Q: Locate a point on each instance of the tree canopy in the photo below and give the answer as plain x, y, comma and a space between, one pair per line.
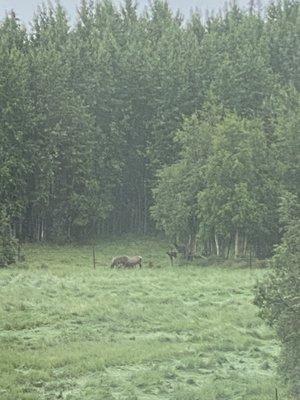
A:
126, 112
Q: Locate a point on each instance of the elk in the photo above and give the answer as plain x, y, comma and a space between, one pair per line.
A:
187, 250
133, 261
172, 255
181, 248
119, 261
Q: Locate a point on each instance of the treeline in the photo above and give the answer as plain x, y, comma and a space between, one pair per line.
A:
95, 115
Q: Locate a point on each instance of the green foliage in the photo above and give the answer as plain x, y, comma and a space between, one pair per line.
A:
174, 208
15, 115
243, 78
227, 182
8, 243
282, 32
90, 114
69, 331
278, 295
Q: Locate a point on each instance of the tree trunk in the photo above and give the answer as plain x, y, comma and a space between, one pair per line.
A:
191, 247
20, 230
217, 245
245, 245
236, 246
145, 209
38, 229
228, 248
69, 231
42, 229
211, 249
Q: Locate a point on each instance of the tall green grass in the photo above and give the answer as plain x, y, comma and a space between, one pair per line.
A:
68, 331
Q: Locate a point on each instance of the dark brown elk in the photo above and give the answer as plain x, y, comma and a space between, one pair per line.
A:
172, 255
186, 250
119, 261
181, 248
133, 261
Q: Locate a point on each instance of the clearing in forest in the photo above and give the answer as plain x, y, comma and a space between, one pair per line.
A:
183, 332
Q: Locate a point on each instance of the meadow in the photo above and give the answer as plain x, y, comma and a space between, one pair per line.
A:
186, 332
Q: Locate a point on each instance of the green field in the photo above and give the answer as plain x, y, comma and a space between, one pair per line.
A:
183, 333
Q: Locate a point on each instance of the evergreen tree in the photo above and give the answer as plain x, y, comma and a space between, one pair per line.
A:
90, 115
282, 32
15, 117
60, 143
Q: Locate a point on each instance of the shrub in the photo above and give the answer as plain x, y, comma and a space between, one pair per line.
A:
278, 299
8, 243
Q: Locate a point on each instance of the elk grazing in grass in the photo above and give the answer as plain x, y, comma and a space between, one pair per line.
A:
126, 262
119, 261
133, 261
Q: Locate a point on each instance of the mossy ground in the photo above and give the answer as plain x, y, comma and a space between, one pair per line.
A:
183, 332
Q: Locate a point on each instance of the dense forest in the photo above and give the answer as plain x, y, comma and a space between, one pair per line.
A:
127, 122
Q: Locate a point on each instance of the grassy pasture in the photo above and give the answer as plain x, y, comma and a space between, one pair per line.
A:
183, 333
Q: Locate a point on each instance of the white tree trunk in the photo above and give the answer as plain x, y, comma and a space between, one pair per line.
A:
42, 230
245, 245
217, 245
